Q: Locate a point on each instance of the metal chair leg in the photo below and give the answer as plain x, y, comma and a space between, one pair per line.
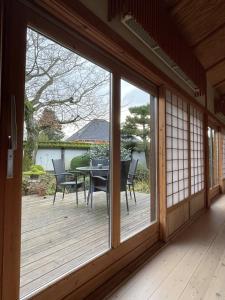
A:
54, 196
134, 193
77, 196
85, 196
91, 198
88, 197
63, 192
107, 200
129, 190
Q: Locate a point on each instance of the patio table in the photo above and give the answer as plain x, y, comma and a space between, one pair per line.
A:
92, 168
89, 169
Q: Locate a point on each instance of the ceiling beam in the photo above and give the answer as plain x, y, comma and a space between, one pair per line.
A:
208, 36
221, 82
215, 64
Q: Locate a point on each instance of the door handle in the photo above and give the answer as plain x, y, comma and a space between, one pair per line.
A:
12, 138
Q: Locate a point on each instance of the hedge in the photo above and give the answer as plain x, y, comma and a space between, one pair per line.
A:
80, 161
62, 145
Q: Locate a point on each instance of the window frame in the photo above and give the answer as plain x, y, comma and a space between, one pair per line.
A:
132, 246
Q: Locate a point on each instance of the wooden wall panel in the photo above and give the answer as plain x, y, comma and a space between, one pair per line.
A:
178, 217
223, 186
214, 192
197, 202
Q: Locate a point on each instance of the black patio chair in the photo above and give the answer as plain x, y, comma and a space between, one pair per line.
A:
95, 162
131, 176
63, 179
98, 178
100, 183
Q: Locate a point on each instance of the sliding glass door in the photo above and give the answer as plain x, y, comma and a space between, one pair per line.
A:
66, 159
138, 156
68, 110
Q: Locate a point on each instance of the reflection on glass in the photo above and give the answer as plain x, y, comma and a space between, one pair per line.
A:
138, 177
66, 196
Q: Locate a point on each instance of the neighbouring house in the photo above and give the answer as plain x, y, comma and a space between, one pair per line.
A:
97, 130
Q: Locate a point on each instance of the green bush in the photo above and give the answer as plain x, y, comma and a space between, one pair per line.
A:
102, 151
61, 145
35, 170
80, 161
142, 186
142, 179
142, 173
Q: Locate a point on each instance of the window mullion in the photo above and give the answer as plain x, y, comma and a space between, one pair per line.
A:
115, 162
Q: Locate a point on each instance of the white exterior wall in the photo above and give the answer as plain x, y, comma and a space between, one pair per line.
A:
44, 157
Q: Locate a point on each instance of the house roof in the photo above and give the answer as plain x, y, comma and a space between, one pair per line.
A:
96, 129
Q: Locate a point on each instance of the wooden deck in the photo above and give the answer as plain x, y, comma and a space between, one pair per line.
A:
56, 239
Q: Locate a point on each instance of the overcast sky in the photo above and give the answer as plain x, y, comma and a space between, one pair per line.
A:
130, 96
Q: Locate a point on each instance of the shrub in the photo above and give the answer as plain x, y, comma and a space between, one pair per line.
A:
102, 151
142, 186
45, 185
35, 170
25, 186
142, 180
80, 161
142, 173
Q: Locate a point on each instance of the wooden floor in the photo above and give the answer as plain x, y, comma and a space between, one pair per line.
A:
192, 266
56, 239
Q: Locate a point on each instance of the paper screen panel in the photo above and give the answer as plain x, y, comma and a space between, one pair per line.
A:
176, 149
196, 150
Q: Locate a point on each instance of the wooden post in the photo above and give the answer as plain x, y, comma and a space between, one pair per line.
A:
13, 68
206, 161
162, 164
220, 136
115, 162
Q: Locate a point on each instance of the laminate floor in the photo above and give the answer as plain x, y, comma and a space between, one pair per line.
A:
191, 266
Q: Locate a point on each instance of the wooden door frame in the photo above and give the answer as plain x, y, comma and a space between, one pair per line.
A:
17, 18
13, 33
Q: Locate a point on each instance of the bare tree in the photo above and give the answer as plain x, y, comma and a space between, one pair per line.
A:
57, 78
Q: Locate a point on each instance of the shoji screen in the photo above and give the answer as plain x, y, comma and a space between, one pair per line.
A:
224, 156
196, 150
216, 157
176, 148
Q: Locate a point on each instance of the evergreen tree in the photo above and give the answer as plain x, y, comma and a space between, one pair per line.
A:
138, 125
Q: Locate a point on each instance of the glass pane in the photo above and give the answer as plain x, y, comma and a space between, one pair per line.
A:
66, 196
138, 163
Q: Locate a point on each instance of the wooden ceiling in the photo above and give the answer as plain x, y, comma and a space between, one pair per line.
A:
202, 23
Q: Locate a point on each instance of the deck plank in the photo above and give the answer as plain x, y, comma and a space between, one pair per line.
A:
58, 238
